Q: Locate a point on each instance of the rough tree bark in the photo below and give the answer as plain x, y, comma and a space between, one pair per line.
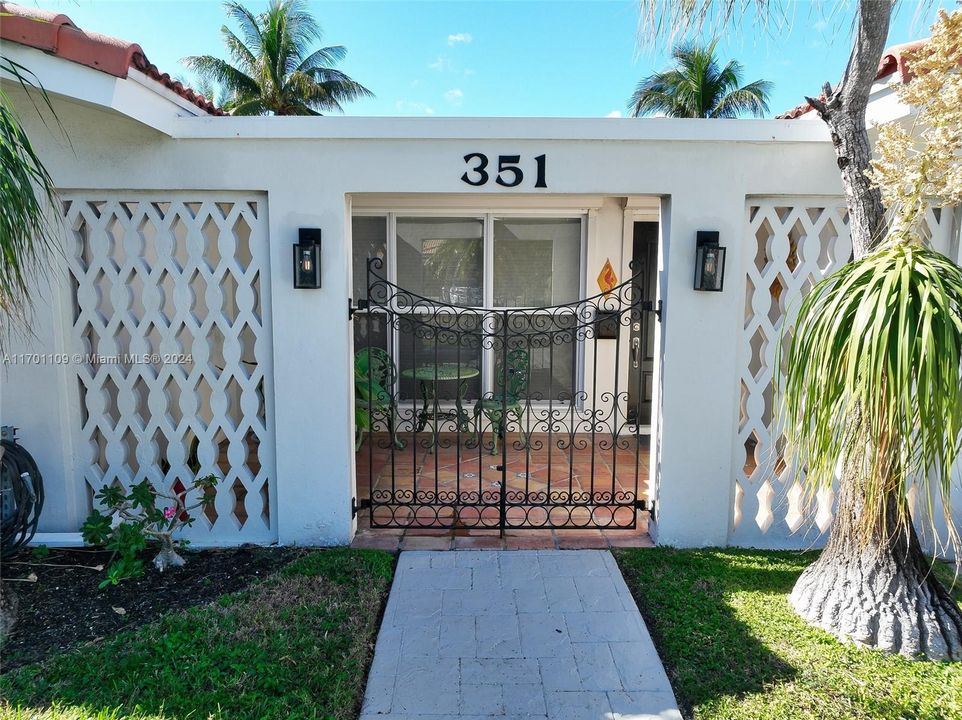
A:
881, 594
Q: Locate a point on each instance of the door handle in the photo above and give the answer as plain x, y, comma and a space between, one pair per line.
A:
635, 346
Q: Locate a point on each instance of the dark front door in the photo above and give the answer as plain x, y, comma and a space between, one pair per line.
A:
644, 256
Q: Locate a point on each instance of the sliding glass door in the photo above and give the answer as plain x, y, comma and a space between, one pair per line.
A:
484, 261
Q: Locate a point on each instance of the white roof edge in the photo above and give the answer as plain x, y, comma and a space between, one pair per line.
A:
499, 128
148, 82
138, 97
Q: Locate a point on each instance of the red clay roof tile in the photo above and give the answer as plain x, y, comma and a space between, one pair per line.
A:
893, 60
55, 33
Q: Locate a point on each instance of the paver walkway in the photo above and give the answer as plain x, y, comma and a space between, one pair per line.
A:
541, 634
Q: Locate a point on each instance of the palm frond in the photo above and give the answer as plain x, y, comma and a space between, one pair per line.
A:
241, 54
671, 21
324, 57
248, 25
275, 70
874, 380
28, 198
222, 73
751, 99
697, 88
247, 106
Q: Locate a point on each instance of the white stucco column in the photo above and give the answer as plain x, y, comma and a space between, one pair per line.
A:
698, 405
313, 395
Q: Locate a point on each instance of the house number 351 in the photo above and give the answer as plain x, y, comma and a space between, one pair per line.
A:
507, 174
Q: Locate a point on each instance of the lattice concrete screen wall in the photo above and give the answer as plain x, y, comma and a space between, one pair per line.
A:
183, 278
790, 244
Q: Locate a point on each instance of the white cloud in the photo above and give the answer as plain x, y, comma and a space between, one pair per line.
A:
410, 107
441, 64
614, 113
457, 38
468, 71
454, 96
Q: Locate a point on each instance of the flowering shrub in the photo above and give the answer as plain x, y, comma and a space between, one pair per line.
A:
133, 519
918, 170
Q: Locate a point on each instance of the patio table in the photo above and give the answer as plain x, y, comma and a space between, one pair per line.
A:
428, 376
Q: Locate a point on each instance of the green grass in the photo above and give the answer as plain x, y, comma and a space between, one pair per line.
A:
735, 650
296, 645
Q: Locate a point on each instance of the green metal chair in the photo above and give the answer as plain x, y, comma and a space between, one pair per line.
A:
505, 402
374, 379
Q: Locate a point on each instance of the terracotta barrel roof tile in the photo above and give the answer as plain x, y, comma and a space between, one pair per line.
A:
893, 60
55, 33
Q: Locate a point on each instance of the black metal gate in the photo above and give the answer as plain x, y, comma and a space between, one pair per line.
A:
472, 417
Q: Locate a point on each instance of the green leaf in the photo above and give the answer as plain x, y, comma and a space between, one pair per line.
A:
874, 376
96, 528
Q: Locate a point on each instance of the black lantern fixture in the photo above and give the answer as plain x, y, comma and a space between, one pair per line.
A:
307, 258
709, 262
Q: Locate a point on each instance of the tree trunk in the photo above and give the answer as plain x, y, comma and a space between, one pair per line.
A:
877, 590
168, 556
882, 594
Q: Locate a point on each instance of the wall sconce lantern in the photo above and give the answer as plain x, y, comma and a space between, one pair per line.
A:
307, 258
709, 262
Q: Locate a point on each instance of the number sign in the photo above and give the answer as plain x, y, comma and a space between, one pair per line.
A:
507, 174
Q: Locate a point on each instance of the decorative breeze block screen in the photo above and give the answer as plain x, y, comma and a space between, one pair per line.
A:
790, 244
171, 316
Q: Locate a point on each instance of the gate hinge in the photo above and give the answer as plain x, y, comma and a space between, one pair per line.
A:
356, 506
645, 505
649, 306
352, 308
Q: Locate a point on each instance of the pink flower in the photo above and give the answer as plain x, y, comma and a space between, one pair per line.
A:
170, 512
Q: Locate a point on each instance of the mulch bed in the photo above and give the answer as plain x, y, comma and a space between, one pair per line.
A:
64, 608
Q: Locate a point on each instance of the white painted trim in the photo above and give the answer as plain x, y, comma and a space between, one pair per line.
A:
495, 128
75, 540
137, 96
444, 203
58, 539
159, 88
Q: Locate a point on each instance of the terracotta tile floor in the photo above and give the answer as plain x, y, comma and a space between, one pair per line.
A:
456, 466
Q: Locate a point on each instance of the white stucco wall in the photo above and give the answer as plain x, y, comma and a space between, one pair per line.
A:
310, 168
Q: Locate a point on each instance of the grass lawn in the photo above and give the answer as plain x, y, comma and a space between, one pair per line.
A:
296, 645
734, 649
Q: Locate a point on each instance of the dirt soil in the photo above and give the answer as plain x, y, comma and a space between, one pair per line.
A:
64, 608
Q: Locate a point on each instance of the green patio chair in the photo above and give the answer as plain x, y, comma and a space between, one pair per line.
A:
510, 398
374, 379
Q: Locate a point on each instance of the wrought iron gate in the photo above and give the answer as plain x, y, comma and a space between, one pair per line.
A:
472, 417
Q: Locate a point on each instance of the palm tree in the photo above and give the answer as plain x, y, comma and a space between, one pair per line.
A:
698, 88
274, 69
27, 191
871, 583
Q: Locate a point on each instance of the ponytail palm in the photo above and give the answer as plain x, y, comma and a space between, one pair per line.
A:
698, 87
874, 383
880, 341
275, 70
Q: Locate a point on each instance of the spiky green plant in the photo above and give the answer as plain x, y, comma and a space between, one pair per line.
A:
27, 191
875, 380
274, 69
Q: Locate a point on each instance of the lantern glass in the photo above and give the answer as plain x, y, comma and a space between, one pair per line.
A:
709, 263
307, 259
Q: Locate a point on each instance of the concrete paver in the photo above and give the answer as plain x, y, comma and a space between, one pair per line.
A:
541, 635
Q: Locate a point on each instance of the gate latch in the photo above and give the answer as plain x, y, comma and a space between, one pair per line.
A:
362, 304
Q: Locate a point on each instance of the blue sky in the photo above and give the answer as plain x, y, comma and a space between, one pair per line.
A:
502, 58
